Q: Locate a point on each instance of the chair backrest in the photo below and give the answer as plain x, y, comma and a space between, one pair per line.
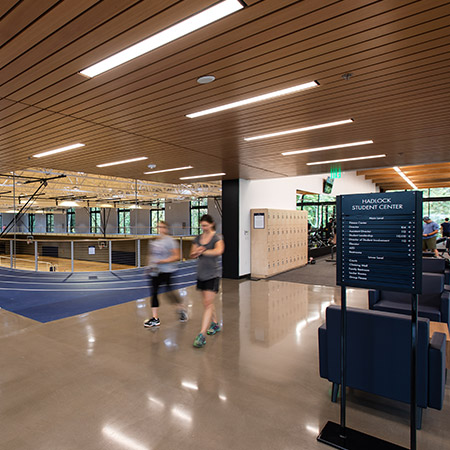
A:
433, 265
378, 352
432, 288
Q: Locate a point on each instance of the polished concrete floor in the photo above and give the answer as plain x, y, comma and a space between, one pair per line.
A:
102, 381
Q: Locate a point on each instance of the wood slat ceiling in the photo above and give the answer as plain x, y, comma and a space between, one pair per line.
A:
423, 176
398, 95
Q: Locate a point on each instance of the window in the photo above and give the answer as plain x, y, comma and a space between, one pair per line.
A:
198, 209
49, 223
157, 214
436, 203
95, 220
71, 220
321, 208
31, 222
124, 221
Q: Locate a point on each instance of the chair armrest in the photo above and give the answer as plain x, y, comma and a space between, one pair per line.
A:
436, 370
374, 297
447, 276
323, 351
445, 307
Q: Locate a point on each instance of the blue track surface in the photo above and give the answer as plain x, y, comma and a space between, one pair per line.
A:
48, 296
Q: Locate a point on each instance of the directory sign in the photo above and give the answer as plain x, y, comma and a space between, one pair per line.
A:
379, 240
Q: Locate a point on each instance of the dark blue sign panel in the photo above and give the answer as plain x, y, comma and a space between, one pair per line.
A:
380, 241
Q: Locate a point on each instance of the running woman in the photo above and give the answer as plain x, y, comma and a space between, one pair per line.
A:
208, 247
164, 253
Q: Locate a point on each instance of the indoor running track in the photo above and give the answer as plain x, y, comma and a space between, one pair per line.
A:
48, 296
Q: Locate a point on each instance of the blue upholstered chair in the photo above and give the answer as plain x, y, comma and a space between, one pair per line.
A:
378, 356
436, 265
434, 302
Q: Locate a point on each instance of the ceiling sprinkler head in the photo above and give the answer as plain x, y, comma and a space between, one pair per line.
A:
151, 166
347, 76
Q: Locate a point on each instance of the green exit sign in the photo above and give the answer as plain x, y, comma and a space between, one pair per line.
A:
335, 172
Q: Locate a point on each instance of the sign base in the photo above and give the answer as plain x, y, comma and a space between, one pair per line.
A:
354, 440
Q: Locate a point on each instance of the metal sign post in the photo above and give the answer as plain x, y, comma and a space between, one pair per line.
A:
378, 235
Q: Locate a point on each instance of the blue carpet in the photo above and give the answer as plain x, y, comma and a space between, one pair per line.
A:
48, 296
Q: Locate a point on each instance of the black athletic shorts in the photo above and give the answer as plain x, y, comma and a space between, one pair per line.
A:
209, 285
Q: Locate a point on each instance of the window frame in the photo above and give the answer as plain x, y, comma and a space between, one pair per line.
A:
196, 211
49, 223
124, 228
157, 214
95, 220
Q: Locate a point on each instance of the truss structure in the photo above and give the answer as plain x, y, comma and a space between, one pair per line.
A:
89, 190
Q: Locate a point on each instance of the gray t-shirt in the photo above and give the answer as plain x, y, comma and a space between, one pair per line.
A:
161, 248
209, 266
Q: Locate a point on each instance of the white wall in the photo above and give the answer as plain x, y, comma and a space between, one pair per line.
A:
280, 193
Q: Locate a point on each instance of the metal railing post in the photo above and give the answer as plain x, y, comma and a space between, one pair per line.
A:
71, 256
11, 252
138, 253
110, 255
181, 248
36, 261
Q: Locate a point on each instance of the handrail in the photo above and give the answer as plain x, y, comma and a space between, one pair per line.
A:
8, 258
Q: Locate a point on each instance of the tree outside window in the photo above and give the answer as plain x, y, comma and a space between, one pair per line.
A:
95, 224
157, 214
124, 221
31, 222
70, 220
50, 223
198, 209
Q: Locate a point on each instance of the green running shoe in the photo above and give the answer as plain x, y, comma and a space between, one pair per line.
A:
200, 341
213, 328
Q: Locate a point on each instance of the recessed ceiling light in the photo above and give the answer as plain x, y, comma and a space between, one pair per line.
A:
168, 170
401, 173
299, 130
345, 160
330, 147
205, 79
58, 150
258, 98
106, 205
170, 34
204, 176
126, 161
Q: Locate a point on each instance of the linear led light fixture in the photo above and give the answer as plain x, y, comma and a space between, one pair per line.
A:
401, 173
69, 203
299, 130
345, 160
58, 150
204, 176
330, 147
258, 98
168, 170
125, 161
170, 34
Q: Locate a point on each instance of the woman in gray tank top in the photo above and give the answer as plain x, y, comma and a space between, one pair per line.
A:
208, 248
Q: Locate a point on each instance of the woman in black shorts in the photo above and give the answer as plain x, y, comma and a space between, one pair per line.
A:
208, 247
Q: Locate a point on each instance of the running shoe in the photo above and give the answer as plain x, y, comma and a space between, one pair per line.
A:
200, 341
183, 316
213, 328
150, 323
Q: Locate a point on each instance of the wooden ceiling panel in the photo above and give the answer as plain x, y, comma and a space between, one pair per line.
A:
210, 50
22, 15
397, 51
235, 64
